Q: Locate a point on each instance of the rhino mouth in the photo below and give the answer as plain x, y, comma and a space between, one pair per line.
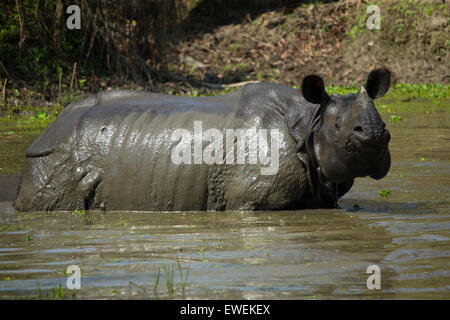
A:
377, 139
368, 148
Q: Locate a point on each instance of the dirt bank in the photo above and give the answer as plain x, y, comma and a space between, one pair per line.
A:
330, 39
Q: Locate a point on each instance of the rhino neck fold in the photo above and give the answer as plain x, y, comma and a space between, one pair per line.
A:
321, 189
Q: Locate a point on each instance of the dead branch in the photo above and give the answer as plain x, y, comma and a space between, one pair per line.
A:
206, 84
73, 75
59, 88
4, 92
21, 26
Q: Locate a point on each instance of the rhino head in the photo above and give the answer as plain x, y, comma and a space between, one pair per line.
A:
351, 139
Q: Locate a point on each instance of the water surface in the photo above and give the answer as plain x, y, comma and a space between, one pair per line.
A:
307, 254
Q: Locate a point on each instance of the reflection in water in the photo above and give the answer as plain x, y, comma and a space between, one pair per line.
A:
288, 254
229, 255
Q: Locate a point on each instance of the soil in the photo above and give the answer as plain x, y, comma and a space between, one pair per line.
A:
414, 42
330, 39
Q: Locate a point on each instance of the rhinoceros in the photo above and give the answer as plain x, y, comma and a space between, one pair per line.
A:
115, 150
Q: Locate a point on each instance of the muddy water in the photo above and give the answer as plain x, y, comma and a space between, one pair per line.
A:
239, 255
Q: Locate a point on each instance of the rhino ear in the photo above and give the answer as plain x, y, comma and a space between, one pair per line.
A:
313, 90
378, 83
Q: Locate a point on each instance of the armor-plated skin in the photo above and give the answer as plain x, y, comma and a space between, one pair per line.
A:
112, 151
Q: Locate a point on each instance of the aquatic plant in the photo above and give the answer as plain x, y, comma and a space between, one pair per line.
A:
183, 279
58, 293
169, 271
78, 212
156, 281
395, 118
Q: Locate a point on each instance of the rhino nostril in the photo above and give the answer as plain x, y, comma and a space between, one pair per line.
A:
358, 128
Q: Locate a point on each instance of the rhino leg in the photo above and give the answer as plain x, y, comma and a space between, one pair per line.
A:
216, 189
88, 178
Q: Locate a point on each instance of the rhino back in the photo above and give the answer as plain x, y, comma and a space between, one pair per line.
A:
60, 130
128, 145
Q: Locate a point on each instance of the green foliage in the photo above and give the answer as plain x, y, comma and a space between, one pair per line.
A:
36, 45
58, 293
37, 55
384, 193
78, 212
341, 90
81, 82
40, 120
169, 271
359, 24
9, 133
433, 91
38, 291
400, 24
156, 281
396, 118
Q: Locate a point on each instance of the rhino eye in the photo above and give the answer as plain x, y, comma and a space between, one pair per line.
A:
337, 125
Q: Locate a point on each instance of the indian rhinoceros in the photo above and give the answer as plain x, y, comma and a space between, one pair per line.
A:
115, 150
